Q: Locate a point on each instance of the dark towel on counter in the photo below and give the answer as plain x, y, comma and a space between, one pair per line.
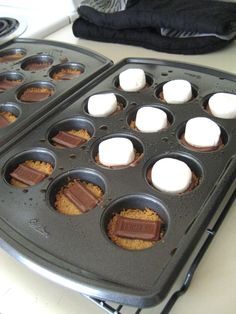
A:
173, 26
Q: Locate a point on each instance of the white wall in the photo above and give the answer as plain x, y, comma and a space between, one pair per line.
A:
62, 6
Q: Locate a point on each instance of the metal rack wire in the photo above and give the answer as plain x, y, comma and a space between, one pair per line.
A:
113, 308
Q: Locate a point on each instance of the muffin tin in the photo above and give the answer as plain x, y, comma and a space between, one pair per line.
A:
75, 250
32, 64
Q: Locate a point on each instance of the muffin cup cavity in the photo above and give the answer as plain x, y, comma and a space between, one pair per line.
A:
149, 83
193, 164
34, 155
222, 142
205, 106
145, 205
121, 105
160, 97
37, 63
124, 191
9, 80
84, 127
35, 92
11, 55
130, 120
10, 112
138, 147
66, 71
86, 176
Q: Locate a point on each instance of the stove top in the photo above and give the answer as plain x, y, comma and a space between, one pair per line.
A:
11, 28
33, 21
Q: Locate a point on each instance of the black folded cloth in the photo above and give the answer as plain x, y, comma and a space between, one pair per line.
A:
173, 26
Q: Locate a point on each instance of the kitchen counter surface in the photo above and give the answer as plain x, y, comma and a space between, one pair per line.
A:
223, 59
213, 288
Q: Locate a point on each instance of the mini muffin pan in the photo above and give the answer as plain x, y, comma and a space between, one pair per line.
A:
32, 64
75, 250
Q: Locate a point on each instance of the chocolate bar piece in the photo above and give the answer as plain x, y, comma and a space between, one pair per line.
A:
68, 140
35, 94
6, 84
3, 121
27, 175
80, 196
36, 66
66, 74
137, 228
11, 57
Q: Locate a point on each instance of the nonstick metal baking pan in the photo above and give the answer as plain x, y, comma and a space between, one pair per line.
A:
32, 63
75, 250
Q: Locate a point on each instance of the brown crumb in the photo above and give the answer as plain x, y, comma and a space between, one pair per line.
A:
10, 117
83, 133
11, 57
42, 166
65, 206
66, 74
133, 244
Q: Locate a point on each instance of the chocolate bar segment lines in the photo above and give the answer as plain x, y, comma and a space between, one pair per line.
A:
80, 196
68, 140
137, 228
27, 175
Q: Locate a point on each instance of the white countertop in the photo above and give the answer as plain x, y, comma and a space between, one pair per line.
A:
213, 289
223, 59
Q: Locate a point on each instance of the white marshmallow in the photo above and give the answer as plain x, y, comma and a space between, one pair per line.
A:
223, 105
202, 132
102, 105
117, 151
177, 91
150, 119
171, 175
132, 80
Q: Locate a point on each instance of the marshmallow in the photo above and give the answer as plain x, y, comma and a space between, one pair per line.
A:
202, 132
223, 105
117, 151
150, 119
132, 80
177, 91
102, 105
171, 175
